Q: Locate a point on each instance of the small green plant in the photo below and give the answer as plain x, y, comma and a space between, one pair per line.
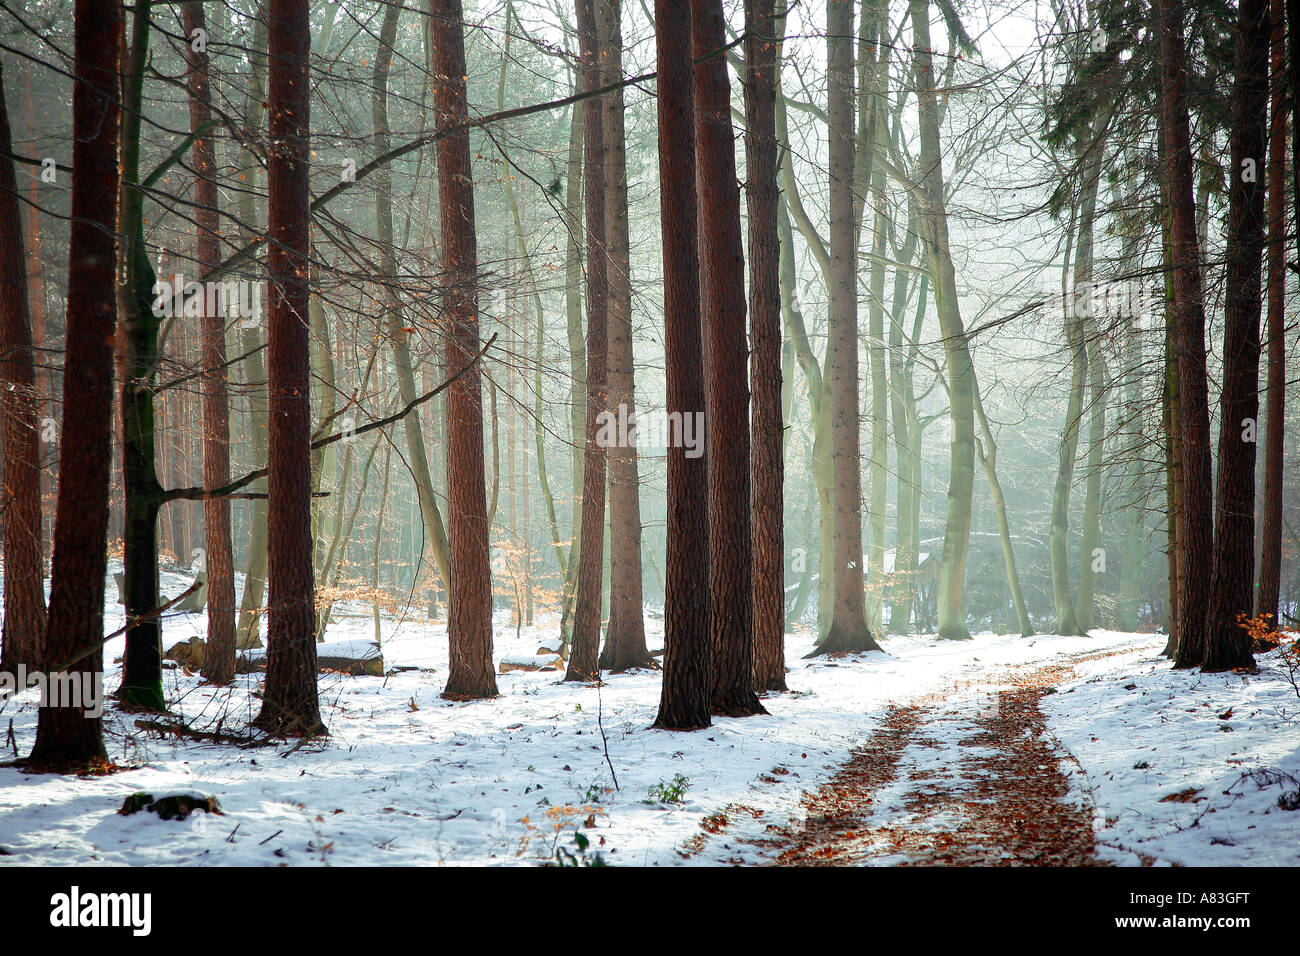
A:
578, 855
1142, 765
673, 792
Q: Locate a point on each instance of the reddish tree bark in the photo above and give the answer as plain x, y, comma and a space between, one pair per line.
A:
65, 736
24, 582
722, 292
1196, 533
1228, 645
583, 662
469, 610
625, 645
1270, 565
219, 657
762, 198
686, 691
289, 703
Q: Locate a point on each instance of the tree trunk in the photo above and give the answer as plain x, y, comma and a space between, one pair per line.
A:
219, 656
684, 701
625, 645
1196, 554
848, 631
906, 421
1270, 564
142, 661
722, 294
1097, 391
961, 373
577, 352
65, 737
1090, 152
988, 454
24, 580
583, 659
252, 342
1228, 645
768, 476
873, 105
469, 613
289, 702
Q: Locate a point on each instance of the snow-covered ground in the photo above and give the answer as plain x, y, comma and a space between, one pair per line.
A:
1182, 767
408, 778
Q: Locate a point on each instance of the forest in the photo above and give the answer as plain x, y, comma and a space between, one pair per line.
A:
588, 432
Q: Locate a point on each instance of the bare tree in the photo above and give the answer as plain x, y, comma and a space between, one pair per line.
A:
762, 198
722, 287
848, 631
1227, 644
219, 657
24, 585
469, 617
583, 659
1195, 532
1270, 565
65, 736
685, 694
289, 701
625, 645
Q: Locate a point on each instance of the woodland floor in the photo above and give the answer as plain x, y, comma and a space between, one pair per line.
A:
997, 750
943, 783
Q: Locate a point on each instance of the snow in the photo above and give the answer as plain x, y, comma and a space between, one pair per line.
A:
1141, 731
408, 778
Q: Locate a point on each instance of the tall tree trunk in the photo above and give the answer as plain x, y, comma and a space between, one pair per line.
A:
65, 736
768, 476
1228, 645
1196, 554
1090, 152
685, 694
469, 613
873, 117
577, 351
142, 661
219, 656
252, 341
24, 581
289, 701
906, 421
583, 659
625, 645
1270, 565
722, 293
1097, 392
961, 372
46, 380
848, 631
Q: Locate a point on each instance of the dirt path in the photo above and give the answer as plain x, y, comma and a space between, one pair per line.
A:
967, 778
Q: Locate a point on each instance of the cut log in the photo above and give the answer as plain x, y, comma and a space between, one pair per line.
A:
522, 662
354, 658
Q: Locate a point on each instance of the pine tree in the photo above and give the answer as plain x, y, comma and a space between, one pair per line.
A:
65, 736
289, 703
